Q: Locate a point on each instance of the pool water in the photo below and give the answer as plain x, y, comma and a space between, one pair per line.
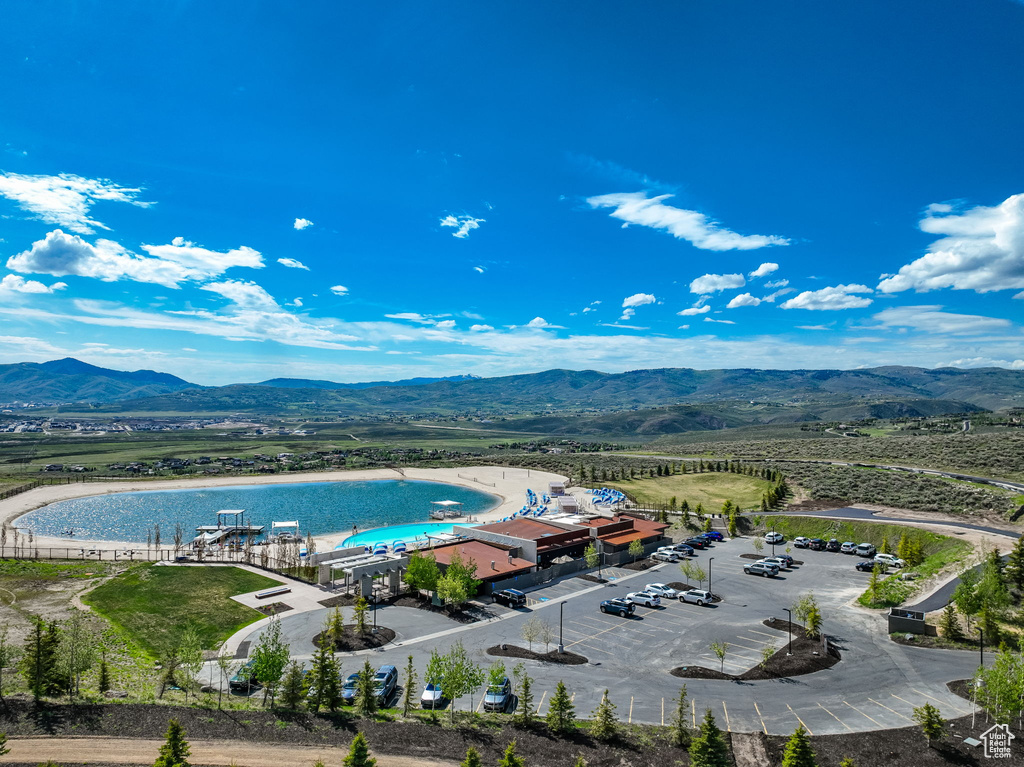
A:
407, 533
321, 508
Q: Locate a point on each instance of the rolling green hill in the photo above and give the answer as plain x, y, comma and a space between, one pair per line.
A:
70, 380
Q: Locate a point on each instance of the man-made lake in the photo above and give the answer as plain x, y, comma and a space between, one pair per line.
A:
320, 508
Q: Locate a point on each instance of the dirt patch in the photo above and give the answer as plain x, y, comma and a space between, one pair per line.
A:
796, 562
591, 578
635, 747
807, 657
818, 504
274, 608
405, 599
643, 564
514, 651
342, 600
905, 747
352, 641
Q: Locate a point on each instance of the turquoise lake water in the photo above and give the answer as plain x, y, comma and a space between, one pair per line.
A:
320, 508
407, 533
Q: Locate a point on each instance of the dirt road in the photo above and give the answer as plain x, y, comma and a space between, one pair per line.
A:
216, 753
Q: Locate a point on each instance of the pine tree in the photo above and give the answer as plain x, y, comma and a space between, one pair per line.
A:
409, 688
361, 608
580, 761
324, 679
561, 716
39, 662
366, 692
932, 724
884, 548
798, 751
104, 681
1015, 565
293, 687
603, 722
680, 732
359, 753
3, 744
847, 762
708, 749
950, 624
812, 624
472, 758
175, 751
511, 757
902, 548
524, 706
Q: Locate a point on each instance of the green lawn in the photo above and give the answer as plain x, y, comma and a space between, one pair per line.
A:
710, 488
152, 604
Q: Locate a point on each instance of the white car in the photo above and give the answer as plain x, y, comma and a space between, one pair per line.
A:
889, 559
645, 598
778, 562
697, 597
432, 697
665, 556
801, 542
865, 550
661, 590
773, 537
849, 547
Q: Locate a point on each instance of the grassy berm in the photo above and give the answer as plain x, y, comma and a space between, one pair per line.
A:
152, 603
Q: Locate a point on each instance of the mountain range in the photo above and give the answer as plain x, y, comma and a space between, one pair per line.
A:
776, 394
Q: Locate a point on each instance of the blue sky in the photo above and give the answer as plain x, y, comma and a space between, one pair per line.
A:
238, 191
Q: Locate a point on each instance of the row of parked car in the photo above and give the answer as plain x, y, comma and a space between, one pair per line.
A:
385, 681
867, 550
651, 596
688, 548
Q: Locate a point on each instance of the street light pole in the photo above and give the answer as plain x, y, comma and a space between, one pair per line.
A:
773, 540
790, 613
712, 559
561, 608
981, 645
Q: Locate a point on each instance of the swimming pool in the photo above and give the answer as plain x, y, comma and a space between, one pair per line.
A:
321, 508
407, 533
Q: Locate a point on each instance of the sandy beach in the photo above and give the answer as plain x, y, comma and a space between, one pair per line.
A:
509, 485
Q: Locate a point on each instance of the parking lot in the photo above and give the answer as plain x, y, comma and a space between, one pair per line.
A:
875, 686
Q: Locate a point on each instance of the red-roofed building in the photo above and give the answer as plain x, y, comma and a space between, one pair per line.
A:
493, 561
616, 533
538, 540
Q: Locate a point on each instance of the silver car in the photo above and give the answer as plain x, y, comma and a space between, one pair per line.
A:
661, 590
697, 597
761, 568
432, 696
645, 598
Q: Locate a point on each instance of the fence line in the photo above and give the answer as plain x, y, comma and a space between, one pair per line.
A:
474, 479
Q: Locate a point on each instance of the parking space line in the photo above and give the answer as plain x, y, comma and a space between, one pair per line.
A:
799, 719
944, 703
542, 697
880, 725
630, 720
848, 727
763, 633
481, 703
902, 716
735, 643
728, 727
763, 725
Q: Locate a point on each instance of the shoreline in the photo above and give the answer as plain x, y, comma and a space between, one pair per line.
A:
508, 486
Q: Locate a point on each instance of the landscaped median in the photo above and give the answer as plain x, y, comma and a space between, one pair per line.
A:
937, 552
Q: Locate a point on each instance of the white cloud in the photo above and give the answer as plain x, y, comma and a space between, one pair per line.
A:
684, 327
638, 299
15, 284
63, 254
712, 283
813, 327
930, 319
479, 269
627, 314
1020, 295
838, 297
776, 284
411, 317
590, 306
985, 362
721, 322
302, 223
339, 290
689, 225
297, 303
463, 225
694, 310
743, 299
982, 250
445, 324
480, 328
65, 200
770, 298
292, 263
763, 269
540, 322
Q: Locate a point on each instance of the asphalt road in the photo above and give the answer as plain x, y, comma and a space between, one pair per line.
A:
876, 685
